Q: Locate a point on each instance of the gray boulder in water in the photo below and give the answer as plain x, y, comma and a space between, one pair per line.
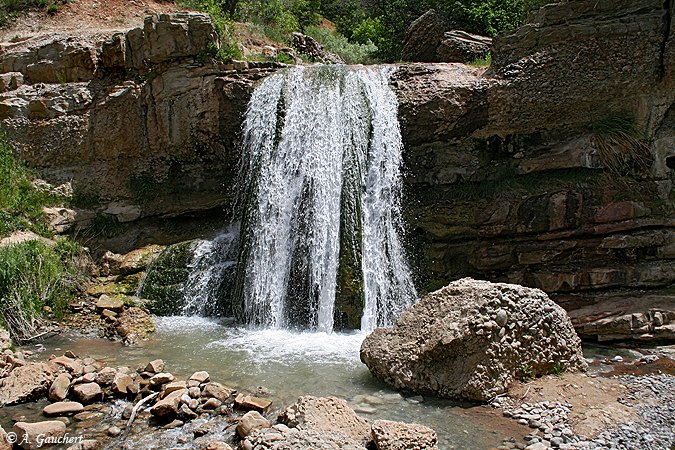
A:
472, 339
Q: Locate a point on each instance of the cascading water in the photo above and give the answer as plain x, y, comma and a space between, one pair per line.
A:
321, 198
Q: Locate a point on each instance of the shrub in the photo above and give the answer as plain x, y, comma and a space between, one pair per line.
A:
34, 275
20, 202
351, 53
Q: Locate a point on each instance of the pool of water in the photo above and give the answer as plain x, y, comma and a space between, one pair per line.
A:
288, 365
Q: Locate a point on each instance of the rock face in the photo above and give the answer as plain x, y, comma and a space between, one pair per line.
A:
472, 339
431, 39
144, 123
510, 176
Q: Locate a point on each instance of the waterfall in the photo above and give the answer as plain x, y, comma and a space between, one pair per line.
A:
320, 194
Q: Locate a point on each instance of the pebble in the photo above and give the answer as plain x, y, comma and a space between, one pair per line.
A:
653, 432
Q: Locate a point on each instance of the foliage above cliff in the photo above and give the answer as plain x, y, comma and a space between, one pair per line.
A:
379, 25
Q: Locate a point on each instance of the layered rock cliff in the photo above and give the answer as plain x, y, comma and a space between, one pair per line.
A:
554, 169
144, 123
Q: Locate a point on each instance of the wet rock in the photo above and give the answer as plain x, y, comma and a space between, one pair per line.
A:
168, 406
211, 404
26, 383
134, 325
59, 388
250, 422
110, 303
200, 377
247, 402
29, 435
326, 415
217, 390
161, 378
74, 366
63, 409
187, 413
449, 343
87, 392
389, 435
106, 376
155, 366
122, 384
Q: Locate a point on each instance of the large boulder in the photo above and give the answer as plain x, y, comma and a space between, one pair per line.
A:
328, 415
26, 383
460, 46
472, 339
423, 37
389, 435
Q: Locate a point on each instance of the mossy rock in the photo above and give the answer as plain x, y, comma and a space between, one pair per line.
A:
165, 278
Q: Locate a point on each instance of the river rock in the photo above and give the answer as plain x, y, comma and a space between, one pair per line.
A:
450, 343
173, 386
4, 444
248, 402
122, 383
106, 376
87, 392
327, 415
161, 378
5, 339
389, 435
29, 433
200, 377
87, 444
155, 366
59, 388
112, 303
26, 383
63, 409
167, 407
250, 422
135, 324
74, 366
217, 390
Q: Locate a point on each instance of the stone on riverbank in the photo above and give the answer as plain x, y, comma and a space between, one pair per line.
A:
472, 339
59, 388
331, 415
389, 435
29, 435
63, 409
26, 383
87, 392
250, 422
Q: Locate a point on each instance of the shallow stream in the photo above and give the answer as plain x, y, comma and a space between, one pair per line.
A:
287, 365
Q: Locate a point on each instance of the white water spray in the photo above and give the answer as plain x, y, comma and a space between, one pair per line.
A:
322, 147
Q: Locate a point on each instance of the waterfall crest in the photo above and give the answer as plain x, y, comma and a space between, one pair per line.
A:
320, 200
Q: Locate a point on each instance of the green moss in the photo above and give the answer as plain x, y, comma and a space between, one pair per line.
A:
166, 277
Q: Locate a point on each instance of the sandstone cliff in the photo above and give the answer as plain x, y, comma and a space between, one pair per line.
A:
554, 169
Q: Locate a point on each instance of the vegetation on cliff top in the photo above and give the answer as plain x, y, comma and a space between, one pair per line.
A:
366, 30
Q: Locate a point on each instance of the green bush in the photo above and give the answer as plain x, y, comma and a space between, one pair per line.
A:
34, 275
20, 202
10, 9
351, 53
